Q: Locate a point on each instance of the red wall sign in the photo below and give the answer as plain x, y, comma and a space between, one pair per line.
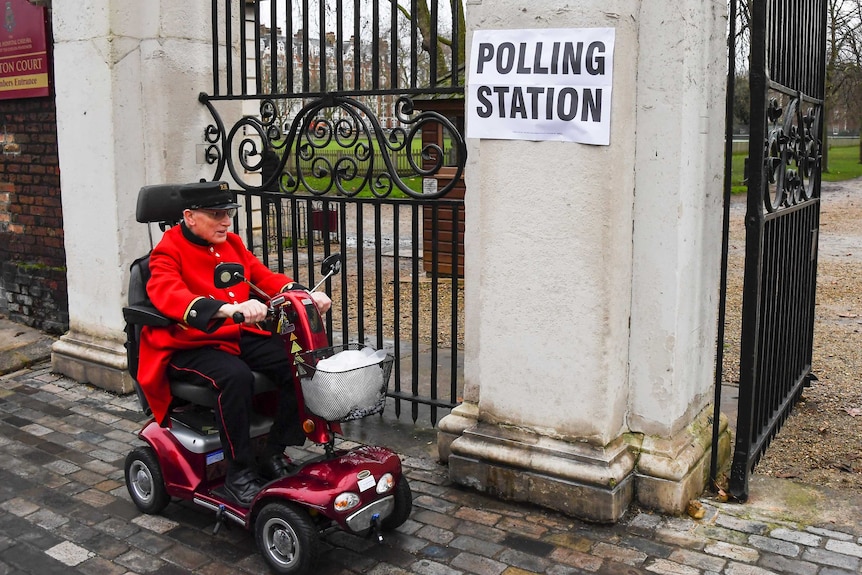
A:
23, 50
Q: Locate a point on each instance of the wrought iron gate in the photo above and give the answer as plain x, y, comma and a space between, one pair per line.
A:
788, 62
341, 124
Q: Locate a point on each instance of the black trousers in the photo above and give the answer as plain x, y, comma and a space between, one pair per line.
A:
232, 376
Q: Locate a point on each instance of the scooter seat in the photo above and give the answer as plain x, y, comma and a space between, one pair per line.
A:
207, 396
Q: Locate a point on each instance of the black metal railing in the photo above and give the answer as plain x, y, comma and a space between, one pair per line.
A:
339, 122
788, 58
401, 285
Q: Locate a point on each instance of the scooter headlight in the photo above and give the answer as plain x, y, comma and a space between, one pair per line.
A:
386, 483
346, 501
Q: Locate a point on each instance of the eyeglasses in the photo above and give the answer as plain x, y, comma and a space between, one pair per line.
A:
219, 214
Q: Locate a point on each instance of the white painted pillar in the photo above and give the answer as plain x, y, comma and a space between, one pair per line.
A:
592, 275
679, 172
127, 75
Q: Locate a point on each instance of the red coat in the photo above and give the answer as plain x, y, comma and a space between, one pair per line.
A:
182, 287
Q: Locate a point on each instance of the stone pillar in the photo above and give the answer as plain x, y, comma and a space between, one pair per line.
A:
592, 278
127, 80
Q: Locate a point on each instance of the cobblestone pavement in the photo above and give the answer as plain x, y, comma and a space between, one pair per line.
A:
64, 509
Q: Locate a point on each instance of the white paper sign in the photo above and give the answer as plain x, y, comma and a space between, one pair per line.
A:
541, 84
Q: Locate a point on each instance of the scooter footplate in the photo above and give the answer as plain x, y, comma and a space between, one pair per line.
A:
361, 520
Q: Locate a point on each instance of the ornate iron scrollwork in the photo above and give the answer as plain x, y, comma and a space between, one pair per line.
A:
792, 155
333, 145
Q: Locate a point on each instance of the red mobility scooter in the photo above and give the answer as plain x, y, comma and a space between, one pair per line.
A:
360, 490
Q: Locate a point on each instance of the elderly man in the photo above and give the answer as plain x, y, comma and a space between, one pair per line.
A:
207, 347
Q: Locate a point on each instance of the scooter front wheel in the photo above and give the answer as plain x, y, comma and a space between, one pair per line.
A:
145, 482
403, 506
287, 538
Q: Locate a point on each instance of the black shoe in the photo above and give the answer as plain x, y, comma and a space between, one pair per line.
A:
243, 486
275, 467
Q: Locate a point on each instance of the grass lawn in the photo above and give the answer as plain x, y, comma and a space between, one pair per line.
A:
843, 165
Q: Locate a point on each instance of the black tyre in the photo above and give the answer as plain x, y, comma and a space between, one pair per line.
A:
287, 538
403, 506
145, 482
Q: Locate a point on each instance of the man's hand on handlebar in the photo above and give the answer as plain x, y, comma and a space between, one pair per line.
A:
322, 301
252, 310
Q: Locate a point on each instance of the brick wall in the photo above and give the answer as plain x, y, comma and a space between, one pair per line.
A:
33, 273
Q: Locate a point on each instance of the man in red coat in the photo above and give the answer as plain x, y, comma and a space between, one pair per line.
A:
206, 347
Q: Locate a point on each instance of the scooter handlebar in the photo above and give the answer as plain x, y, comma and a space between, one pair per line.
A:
238, 317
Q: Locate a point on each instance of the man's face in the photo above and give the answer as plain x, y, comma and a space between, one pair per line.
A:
210, 225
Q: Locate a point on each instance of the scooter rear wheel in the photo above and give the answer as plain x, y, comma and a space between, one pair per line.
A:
287, 538
145, 482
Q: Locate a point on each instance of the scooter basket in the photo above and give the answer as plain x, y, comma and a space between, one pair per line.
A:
343, 395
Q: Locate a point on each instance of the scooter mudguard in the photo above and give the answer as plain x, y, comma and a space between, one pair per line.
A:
318, 484
181, 469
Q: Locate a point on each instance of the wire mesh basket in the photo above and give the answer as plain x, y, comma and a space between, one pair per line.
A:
345, 394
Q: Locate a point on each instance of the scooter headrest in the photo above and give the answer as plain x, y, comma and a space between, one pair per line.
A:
166, 202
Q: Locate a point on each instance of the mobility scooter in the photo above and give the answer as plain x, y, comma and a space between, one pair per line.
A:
361, 490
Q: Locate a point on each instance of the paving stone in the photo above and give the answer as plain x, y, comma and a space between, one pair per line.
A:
476, 546
774, 545
648, 546
152, 543
481, 531
391, 556
801, 537
438, 553
826, 557
619, 553
101, 566
829, 533
426, 567
575, 558
744, 569
478, 564
780, 564
845, 547
62, 467
155, 523
383, 568
434, 518
519, 526
645, 521
698, 560
524, 560
47, 519
20, 507
733, 552
434, 534
836, 571
139, 561
744, 525
94, 498
610, 567
667, 567
69, 553
107, 547
434, 504
107, 455
117, 528
527, 545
